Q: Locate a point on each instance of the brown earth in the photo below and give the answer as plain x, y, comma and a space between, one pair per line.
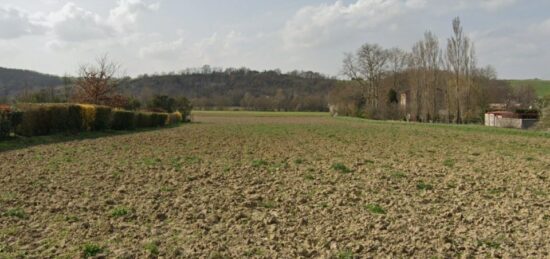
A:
286, 187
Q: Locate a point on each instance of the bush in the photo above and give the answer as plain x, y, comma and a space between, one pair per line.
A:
88, 113
35, 121
175, 118
102, 118
44, 119
159, 119
123, 120
5, 124
144, 120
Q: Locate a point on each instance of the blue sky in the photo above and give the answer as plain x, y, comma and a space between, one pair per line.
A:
148, 36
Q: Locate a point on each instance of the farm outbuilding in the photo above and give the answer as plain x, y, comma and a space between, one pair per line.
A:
508, 119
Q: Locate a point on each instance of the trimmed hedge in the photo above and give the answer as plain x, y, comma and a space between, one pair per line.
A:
123, 120
44, 119
102, 118
9, 119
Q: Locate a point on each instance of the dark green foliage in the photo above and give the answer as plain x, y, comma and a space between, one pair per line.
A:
163, 103
102, 118
16, 213
144, 120
123, 120
375, 209
159, 119
341, 168
44, 119
424, 186
9, 119
90, 250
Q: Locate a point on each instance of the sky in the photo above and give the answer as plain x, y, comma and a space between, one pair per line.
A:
155, 36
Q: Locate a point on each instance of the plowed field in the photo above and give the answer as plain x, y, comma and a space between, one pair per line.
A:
235, 185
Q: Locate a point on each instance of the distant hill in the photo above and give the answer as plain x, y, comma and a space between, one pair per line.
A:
541, 86
15, 81
205, 87
266, 90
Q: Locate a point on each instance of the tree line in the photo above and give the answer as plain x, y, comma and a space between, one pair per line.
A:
429, 83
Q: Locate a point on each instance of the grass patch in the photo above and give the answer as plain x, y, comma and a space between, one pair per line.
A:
398, 175
340, 167
489, 243
152, 248
309, 176
71, 218
152, 161
259, 163
256, 251
16, 213
424, 186
120, 212
497, 191
299, 161
90, 250
375, 209
449, 163
268, 204
346, 254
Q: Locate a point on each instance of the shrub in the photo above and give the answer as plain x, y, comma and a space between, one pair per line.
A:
175, 118
9, 119
88, 113
159, 119
44, 119
35, 121
102, 118
144, 120
123, 120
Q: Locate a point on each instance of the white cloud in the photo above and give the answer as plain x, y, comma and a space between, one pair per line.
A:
15, 23
75, 24
127, 11
166, 50
314, 25
210, 50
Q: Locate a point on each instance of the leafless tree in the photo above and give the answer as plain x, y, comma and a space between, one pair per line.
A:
368, 67
460, 59
97, 83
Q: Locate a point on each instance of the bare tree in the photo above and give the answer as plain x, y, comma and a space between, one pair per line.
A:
459, 60
367, 68
397, 60
97, 83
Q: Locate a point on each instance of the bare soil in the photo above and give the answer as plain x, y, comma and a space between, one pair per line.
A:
280, 187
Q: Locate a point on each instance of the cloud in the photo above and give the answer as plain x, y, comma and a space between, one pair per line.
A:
127, 11
15, 23
75, 24
213, 49
165, 50
314, 25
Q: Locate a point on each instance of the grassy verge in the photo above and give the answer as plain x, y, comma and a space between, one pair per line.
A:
260, 114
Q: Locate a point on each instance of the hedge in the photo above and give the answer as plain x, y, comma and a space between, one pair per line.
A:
44, 119
102, 118
123, 120
175, 118
9, 119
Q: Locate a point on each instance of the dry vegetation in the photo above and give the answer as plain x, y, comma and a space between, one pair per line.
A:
249, 185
